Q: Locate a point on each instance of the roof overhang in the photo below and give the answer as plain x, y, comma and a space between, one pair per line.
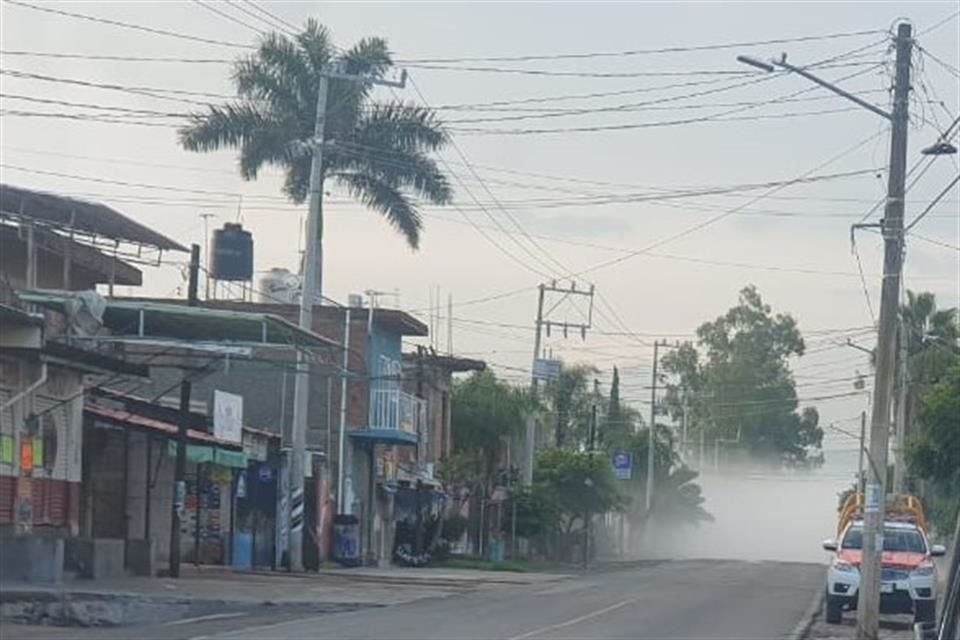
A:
74, 215
188, 326
451, 363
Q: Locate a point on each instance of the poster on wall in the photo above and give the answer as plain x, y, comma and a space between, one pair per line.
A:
227, 416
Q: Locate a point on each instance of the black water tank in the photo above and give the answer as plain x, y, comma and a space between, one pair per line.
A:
232, 253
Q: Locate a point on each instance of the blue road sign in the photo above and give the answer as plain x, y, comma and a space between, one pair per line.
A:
622, 462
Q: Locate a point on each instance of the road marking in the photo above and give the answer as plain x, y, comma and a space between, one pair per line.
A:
574, 621
212, 616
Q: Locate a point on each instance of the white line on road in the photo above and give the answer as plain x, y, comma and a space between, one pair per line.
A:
212, 616
573, 621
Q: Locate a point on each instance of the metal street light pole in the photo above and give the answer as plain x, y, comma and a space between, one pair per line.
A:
868, 607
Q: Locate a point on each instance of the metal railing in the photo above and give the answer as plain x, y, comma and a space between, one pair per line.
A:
396, 410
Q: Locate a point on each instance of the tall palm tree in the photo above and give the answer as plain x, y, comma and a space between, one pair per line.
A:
379, 152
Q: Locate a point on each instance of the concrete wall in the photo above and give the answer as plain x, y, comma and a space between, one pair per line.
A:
31, 559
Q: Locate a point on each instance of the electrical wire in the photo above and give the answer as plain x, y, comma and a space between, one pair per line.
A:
277, 19
227, 16
640, 52
128, 25
88, 105
109, 58
152, 92
933, 203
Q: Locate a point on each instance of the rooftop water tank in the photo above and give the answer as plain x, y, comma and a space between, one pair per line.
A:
232, 253
280, 286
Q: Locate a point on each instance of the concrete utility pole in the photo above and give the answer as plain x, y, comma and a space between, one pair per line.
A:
651, 430
868, 606
180, 464
311, 290
542, 322
900, 421
530, 428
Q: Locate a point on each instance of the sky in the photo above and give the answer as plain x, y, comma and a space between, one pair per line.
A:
541, 199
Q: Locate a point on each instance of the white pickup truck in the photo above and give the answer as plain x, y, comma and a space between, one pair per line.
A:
908, 579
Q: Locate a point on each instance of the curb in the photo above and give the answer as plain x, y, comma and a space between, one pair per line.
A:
803, 627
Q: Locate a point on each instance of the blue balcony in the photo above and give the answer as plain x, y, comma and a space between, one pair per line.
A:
395, 418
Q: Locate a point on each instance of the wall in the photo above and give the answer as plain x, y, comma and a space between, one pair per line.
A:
53, 485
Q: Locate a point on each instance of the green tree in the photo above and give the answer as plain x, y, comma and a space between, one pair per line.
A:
738, 385
486, 412
933, 451
378, 152
621, 420
570, 398
577, 483
676, 498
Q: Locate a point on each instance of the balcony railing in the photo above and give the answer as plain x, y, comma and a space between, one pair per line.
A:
392, 409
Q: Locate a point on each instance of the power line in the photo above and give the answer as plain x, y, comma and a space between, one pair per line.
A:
102, 118
579, 74
933, 202
277, 19
128, 25
639, 52
939, 243
152, 92
227, 16
88, 105
110, 58
647, 125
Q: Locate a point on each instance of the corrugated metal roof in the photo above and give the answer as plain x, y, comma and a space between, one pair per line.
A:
80, 215
180, 322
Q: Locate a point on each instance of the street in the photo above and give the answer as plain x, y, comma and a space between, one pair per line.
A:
708, 599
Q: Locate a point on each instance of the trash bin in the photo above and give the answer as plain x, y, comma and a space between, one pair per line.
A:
242, 550
346, 540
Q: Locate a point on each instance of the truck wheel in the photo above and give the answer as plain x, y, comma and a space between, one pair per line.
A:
925, 611
834, 613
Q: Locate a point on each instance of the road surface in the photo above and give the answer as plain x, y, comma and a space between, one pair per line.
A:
689, 600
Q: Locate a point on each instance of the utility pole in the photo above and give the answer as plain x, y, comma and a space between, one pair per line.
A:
544, 322
311, 290
530, 428
868, 605
651, 430
207, 254
862, 479
900, 421
180, 465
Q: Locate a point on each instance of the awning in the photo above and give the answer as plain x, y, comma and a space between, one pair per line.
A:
206, 454
383, 436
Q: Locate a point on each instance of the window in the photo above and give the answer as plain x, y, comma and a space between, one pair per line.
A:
908, 540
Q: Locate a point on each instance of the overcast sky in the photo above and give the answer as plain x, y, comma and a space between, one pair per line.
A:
794, 244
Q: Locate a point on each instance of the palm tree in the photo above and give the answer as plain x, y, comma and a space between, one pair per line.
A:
377, 151
927, 326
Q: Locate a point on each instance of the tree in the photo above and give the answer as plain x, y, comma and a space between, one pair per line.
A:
621, 420
378, 152
676, 498
485, 413
571, 397
933, 452
926, 326
738, 385
574, 485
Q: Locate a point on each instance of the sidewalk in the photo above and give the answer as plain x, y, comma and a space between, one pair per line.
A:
134, 600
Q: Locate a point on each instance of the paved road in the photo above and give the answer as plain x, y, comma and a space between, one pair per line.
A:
688, 600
